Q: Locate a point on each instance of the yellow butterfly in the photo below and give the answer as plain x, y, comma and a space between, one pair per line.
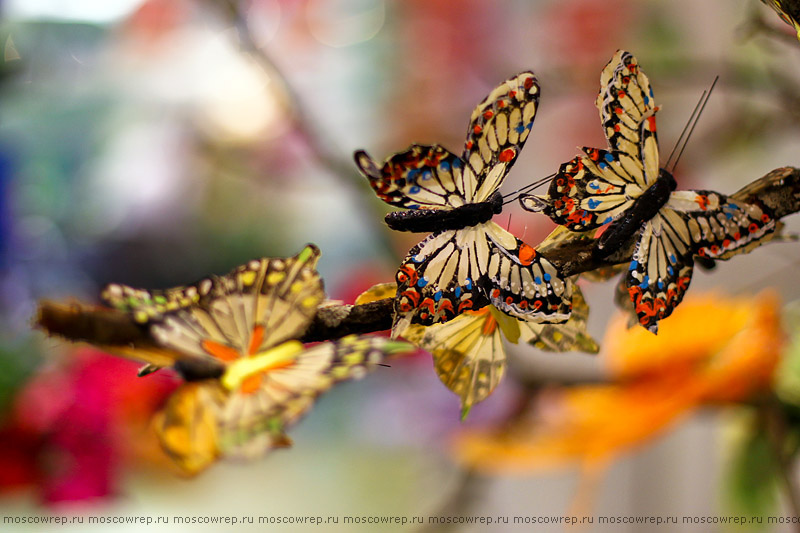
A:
468, 352
234, 339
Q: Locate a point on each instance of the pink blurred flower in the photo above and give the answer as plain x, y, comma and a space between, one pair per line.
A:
74, 425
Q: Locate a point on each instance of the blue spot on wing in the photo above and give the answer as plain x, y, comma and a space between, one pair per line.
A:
546, 276
603, 165
421, 282
633, 266
458, 292
594, 203
609, 158
607, 220
670, 270
537, 280
468, 284
660, 284
437, 296
444, 165
520, 128
645, 282
414, 189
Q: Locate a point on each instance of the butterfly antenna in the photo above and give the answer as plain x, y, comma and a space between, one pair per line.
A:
508, 226
686, 128
512, 196
693, 120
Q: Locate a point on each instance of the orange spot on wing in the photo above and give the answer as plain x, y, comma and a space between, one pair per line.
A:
489, 326
220, 351
251, 383
526, 254
255, 340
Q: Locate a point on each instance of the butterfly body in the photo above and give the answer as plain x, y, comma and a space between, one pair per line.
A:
431, 220
468, 261
643, 208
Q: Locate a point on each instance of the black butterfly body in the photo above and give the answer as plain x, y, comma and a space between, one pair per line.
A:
430, 220
643, 209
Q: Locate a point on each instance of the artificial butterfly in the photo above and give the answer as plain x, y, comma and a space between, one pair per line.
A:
242, 328
469, 261
788, 10
468, 352
626, 187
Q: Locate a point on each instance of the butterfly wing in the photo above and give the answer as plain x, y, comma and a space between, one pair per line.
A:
146, 305
438, 279
377, 292
627, 111
468, 354
257, 305
661, 267
521, 282
187, 425
454, 271
246, 416
288, 392
720, 226
590, 190
701, 223
595, 188
422, 177
498, 128
572, 335
430, 177
788, 10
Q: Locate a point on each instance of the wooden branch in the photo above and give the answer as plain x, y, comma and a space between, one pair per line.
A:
778, 192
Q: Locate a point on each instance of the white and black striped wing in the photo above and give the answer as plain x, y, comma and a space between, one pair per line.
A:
595, 188
438, 279
720, 226
422, 177
627, 111
498, 128
661, 267
590, 190
522, 283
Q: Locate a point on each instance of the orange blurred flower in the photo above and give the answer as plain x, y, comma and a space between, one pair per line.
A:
711, 350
